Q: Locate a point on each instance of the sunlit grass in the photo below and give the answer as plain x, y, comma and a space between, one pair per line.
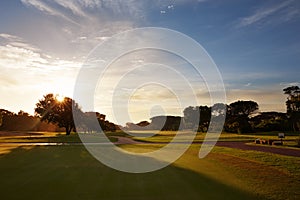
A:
233, 173
257, 172
70, 172
46, 137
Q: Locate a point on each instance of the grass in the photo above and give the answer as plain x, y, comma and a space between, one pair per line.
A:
266, 175
70, 172
48, 137
167, 136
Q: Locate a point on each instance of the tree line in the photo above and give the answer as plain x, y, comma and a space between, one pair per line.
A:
22, 121
241, 117
54, 115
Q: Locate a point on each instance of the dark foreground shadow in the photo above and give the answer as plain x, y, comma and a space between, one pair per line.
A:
70, 172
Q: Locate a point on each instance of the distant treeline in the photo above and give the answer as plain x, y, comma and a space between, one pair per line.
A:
22, 121
240, 117
235, 121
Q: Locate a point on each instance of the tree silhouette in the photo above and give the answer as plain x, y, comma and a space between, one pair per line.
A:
60, 112
238, 115
293, 105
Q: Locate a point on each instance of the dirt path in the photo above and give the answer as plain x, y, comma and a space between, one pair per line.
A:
268, 149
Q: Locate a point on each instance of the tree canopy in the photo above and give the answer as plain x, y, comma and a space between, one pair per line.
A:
50, 109
243, 108
293, 105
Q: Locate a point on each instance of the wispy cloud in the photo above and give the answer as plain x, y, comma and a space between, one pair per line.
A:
16, 53
81, 7
264, 13
74, 6
10, 37
44, 7
16, 41
287, 84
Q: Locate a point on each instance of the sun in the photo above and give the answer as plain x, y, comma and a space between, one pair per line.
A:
60, 98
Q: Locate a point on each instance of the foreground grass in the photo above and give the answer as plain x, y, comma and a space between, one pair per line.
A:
70, 172
268, 176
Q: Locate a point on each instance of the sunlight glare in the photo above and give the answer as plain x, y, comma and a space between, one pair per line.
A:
60, 98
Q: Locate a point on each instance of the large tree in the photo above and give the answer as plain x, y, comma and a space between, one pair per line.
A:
293, 105
238, 115
58, 111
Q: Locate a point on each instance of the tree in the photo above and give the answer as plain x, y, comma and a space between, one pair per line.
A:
270, 121
238, 115
205, 115
22, 113
191, 117
4, 114
293, 105
166, 123
50, 109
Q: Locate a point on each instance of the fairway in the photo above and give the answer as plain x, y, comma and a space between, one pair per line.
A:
70, 172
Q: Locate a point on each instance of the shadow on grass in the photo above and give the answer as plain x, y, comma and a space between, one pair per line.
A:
70, 172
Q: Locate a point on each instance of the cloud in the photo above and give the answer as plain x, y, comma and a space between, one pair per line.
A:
287, 84
16, 41
81, 7
44, 7
27, 74
10, 37
74, 6
15, 53
16, 57
129, 9
262, 14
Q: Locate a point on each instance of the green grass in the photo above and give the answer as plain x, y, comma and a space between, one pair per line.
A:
48, 137
167, 136
70, 172
266, 175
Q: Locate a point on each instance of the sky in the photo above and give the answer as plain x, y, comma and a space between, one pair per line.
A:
44, 44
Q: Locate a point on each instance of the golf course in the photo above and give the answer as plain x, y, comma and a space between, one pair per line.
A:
49, 165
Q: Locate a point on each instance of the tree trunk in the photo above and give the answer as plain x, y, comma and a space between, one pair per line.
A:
68, 130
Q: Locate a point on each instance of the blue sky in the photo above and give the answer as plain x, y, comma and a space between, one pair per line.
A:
43, 43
